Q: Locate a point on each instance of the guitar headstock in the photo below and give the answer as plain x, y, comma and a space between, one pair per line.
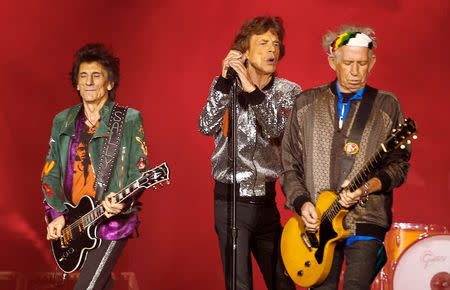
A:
154, 176
401, 135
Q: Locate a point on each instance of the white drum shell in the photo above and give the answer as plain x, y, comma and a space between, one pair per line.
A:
421, 262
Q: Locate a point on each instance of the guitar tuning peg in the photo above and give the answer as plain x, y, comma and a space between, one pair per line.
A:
409, 141
393, 130
406, 119
167, 182
402, 146
415, 137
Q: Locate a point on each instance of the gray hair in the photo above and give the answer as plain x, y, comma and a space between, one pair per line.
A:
329, 37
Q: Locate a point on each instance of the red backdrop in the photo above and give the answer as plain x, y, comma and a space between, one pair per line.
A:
170, 51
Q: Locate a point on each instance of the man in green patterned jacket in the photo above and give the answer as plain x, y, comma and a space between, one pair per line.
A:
76, 143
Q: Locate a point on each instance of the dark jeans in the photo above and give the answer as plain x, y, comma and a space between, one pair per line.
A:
360, 261
259, 232
96, 272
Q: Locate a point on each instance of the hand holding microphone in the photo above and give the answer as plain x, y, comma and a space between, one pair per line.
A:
233, 66
232, 55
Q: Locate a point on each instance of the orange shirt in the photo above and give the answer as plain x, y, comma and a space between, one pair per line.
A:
83, 174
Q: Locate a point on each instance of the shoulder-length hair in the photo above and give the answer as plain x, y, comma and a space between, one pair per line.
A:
257, 26
97, 52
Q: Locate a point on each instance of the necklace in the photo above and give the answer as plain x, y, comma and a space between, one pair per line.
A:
92, 124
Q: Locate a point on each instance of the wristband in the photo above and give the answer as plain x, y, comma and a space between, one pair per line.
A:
365, 195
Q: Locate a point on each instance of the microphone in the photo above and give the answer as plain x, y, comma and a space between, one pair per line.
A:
231, 74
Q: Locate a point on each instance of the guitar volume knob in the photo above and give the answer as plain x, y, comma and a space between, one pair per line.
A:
300, 273
307, 263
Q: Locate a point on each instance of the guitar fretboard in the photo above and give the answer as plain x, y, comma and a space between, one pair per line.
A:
396, 140
148, 178
355, 183
98, 212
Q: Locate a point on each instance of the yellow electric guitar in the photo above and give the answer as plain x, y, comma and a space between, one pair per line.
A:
308, 256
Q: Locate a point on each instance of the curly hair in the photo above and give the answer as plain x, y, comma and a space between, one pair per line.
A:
257, 26
97, 52
330, 36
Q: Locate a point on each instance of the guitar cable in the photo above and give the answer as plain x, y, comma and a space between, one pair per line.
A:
64, 275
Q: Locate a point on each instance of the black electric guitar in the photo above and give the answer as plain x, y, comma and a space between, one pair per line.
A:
80, 233
308, 256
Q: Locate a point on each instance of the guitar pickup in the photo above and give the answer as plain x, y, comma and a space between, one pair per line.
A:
63, 243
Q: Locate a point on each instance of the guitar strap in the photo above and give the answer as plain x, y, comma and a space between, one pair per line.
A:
110, 150
357, 130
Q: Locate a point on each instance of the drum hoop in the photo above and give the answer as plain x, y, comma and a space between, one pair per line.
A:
415, 226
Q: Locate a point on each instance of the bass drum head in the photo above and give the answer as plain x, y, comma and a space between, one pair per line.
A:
424, 265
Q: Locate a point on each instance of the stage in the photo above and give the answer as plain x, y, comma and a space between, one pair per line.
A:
170, 51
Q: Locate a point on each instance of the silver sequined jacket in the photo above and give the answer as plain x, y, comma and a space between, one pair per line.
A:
260, 128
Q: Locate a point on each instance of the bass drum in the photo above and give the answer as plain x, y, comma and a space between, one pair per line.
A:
402, 237
424, 265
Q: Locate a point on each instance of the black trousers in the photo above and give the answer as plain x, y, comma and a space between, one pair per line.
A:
361, 258
96, 272
259, 232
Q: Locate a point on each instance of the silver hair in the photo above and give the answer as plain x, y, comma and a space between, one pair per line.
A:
328, 38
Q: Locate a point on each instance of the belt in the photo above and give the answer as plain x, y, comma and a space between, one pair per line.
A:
224, 192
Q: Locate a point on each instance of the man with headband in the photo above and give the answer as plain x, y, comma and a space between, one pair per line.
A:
316, 151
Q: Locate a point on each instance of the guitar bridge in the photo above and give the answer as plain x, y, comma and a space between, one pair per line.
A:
313, 240
306, 241
310, 241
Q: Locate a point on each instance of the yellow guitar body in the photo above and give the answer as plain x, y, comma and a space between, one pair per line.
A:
305, 264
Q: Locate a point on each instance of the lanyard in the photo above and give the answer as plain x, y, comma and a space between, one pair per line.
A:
343, 108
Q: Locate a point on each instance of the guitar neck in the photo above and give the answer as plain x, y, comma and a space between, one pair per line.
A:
356, 182
98, 212
363, 174
396, 140
149, 178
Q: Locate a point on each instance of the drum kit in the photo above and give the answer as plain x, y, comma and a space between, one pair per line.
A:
418, 258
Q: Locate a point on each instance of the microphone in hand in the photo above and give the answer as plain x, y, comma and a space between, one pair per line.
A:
231, 74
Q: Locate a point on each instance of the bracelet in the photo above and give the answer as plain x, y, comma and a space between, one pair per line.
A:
365, 195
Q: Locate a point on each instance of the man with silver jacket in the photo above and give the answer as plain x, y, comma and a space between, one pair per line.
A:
264, 103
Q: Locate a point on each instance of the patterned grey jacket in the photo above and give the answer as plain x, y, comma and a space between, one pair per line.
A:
313, 147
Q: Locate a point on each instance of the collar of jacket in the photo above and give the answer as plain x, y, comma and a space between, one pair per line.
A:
368, 90
269, 84
102, 130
